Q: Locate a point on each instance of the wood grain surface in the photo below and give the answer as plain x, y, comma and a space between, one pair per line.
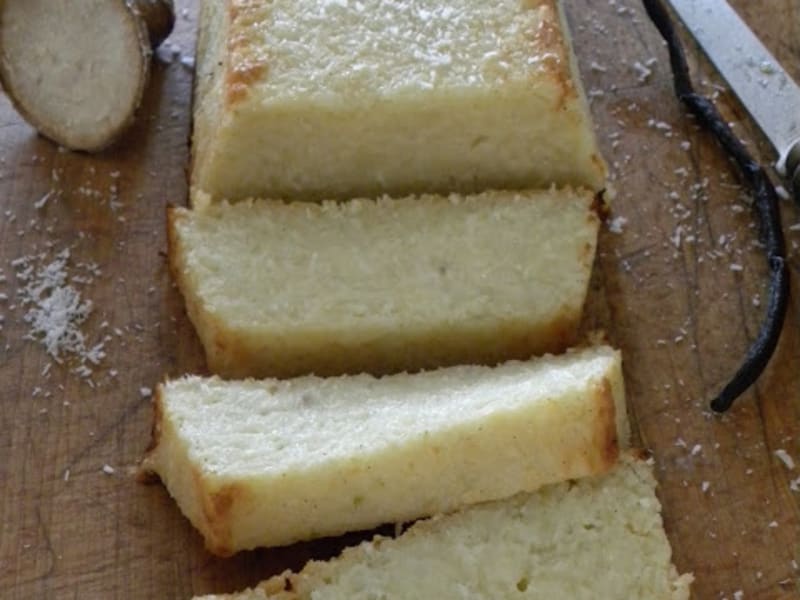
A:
679, 287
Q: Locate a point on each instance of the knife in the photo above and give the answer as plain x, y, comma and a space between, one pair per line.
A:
765, 89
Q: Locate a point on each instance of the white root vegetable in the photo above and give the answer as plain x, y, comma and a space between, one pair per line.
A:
77, 70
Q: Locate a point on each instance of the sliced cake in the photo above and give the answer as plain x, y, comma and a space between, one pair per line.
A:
345, 98
599, 537
266, 463
279, 290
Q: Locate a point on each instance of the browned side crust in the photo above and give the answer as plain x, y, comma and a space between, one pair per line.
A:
213, 516
231, 356
198, 316
145, 472
173, 245
245, 64
217, 508
606, 436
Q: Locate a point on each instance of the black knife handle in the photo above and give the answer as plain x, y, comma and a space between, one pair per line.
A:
793, 169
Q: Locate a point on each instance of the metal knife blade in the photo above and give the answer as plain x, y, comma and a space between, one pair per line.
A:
765, 89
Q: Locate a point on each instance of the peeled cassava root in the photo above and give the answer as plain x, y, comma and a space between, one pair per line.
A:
77, 71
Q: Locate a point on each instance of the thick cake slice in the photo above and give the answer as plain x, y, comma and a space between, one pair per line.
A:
266, 463
346, 98
594, 538
279, 290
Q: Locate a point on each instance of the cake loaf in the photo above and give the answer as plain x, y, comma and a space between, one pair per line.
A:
599, 537
280, 290
347, 98
267, 463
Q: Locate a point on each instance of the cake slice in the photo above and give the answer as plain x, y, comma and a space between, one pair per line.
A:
598, 537
280, 290
346, 98
267, 463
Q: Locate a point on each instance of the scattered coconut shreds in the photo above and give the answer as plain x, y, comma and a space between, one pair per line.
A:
785, 458
145, 392
643, 73
56, 309
794, 485
108, 470
738, 595
42, 201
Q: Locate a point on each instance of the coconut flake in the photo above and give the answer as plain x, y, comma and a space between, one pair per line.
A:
56, 309
616, 224
785, 458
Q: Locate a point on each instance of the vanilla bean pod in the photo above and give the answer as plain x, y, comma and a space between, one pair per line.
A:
765, 203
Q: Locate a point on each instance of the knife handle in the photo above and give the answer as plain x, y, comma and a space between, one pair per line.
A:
793, 169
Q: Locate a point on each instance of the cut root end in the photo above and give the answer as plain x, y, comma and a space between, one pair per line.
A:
77, 71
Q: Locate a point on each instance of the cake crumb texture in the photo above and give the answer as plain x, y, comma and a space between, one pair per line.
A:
281, 290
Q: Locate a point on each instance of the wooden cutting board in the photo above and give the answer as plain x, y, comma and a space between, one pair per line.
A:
75, 524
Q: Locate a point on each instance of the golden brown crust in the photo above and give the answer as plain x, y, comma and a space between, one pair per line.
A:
578, 94
245, 63
145, 473
588, 251
173, 245
216, 507
595, 449
174, 254
600, 207
230, 356
598, 162
208, 91
547, 41
221, 347
201, 320
606, 435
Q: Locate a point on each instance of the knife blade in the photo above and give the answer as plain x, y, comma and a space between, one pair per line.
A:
765, 89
